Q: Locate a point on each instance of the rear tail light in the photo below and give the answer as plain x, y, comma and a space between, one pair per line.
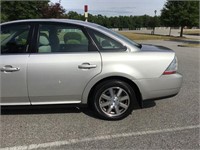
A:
172, 68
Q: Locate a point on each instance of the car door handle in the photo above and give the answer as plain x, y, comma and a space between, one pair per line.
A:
9, 68
86, 66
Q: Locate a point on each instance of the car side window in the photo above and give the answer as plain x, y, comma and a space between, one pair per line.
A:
106, 43
62, 38
14, 39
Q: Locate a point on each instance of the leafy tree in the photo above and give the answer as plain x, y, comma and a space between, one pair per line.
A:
52, 11
14, 10
146, 19
138, 21
180, 13
74, 15
114, 22
153, 22
132, 23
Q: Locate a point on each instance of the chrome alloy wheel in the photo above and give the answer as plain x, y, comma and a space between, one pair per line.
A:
114, 101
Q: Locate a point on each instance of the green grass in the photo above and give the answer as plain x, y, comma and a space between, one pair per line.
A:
140, 36
191, 32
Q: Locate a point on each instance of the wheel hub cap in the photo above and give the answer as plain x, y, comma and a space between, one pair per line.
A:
114, 101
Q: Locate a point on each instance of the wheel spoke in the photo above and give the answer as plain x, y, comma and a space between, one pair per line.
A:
123, 105
119, 92
123, 98
106, 97
109, 109
111, 92
117, 109
105, 104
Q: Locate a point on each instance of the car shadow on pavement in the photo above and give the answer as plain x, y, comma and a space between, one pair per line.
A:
16, 110
56, 109
50, 109
148, 104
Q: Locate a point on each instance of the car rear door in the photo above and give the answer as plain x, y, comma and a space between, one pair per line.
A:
13, 63
65, 60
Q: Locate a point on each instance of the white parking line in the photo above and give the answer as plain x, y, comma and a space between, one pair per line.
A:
74, 141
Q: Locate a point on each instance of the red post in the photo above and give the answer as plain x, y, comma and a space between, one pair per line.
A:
86, 8
86, 12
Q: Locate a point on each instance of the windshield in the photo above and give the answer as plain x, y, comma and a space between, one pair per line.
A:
120, 36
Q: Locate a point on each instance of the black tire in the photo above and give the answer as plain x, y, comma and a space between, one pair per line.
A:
113, 94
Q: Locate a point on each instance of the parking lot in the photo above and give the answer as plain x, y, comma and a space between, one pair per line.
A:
171, 123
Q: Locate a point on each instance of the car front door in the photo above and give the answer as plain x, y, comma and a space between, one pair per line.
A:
13, 64
64, 62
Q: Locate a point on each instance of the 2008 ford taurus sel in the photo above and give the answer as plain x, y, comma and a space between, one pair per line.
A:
60, 61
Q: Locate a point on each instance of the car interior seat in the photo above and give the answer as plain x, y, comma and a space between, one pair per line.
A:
72, 38
106, 44
44, 45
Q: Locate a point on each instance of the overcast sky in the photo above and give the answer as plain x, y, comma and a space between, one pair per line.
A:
114, 7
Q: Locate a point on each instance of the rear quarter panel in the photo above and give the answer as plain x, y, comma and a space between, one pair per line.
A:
131, 65
138, 65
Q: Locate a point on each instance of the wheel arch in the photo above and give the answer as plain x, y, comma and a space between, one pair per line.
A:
130, 82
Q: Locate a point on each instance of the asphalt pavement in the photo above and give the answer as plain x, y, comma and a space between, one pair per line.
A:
171, 123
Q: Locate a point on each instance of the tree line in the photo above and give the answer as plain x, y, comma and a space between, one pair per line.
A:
173, 14
128, 22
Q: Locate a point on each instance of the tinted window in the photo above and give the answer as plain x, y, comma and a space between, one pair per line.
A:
106, 43
62, 38
14, 39
119, 35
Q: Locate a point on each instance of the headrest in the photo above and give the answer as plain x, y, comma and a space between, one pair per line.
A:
43, 40
72, 36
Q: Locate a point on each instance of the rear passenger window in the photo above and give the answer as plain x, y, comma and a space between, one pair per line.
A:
14, 39
62, 38
106, 43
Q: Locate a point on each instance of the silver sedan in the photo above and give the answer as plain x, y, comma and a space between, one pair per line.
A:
60, 61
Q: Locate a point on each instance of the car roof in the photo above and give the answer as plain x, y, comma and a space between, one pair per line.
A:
72, 21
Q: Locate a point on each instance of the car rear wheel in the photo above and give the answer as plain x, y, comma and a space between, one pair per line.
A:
113, 99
